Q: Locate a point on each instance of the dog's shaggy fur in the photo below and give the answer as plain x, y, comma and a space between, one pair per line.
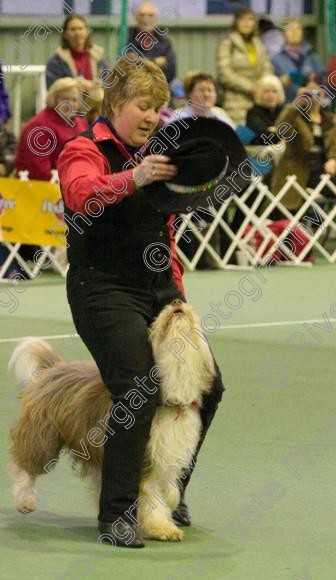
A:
48, 423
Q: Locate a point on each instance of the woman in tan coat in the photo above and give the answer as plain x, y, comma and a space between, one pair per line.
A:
242, 60
311, 151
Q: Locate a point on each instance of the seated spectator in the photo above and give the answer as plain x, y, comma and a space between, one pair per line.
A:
78, 57
242, 60
93, 102
270, 35
7, 153
201, 93
177, 94
27, 156
148, 42
261, 121
4, 107
261, 118
331, 85
332, 64
310, 153
7, 150
295, 61
201, 89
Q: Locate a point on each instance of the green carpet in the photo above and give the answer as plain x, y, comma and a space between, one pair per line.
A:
263, 496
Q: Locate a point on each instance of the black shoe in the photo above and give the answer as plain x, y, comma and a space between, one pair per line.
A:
181, 515
122, 534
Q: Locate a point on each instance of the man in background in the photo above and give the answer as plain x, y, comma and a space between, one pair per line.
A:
147, 39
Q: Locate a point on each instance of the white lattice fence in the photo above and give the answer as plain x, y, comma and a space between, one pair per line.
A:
311, 217
312, 213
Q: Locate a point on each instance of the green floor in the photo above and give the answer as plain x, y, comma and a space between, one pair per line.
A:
263, 497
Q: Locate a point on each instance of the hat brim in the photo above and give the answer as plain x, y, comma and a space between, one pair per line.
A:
172, 198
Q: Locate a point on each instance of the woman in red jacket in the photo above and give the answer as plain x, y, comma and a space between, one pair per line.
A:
113, 294
44, 135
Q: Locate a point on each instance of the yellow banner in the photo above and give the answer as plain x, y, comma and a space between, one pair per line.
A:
31, 212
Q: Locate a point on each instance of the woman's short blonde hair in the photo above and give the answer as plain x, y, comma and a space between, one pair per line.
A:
63, 84
265, 82
128, 80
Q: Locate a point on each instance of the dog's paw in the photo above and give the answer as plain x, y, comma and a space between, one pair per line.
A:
167, 532
26, 501
175, 534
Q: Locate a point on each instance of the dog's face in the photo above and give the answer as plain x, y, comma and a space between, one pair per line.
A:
178, 310
182, 353
177, 315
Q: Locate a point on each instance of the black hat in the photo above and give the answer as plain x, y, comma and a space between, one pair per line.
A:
205, 151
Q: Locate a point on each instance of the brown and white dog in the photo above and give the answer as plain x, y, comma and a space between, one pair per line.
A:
59, 413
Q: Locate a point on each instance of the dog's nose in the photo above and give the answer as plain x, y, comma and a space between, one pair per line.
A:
177, 302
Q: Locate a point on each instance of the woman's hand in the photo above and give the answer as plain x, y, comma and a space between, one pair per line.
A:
330, 167
153, 168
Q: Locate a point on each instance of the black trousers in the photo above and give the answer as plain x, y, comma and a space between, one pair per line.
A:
112, 318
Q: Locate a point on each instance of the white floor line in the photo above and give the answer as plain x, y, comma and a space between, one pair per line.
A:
50, 337
269, 324
228, 327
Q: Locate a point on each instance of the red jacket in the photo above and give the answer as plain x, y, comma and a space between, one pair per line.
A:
332, 64
83, 169
41, 140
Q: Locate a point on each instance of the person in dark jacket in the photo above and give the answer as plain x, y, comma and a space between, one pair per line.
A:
269, 99
78, 57
7, 153
270, 35
147, 40
295, 61
4, 106
113, 294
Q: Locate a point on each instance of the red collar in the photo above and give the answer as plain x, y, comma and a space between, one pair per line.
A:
180, 408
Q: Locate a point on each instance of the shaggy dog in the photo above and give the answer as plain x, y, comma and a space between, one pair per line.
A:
47, 421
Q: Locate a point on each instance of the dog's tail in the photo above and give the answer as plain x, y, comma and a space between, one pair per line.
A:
31, 357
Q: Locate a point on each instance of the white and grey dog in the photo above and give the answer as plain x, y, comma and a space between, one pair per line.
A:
48, 423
